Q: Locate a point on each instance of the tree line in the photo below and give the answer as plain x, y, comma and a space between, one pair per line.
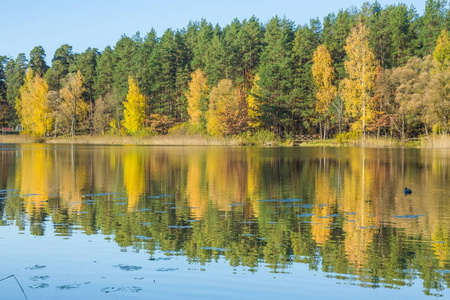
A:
372, 71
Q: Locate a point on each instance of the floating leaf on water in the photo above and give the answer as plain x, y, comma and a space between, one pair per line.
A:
291, 200
71, 286
129, 289
268, 200
37, 278
145, 209
128, 267
214, 248
36, 267
409, 216
99, 194
180, 226
143, 237
39, 286
305, 215
306, 206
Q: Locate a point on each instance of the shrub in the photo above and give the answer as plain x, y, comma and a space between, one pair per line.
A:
186, 129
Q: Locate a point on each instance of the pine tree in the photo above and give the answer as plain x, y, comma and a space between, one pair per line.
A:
37, 61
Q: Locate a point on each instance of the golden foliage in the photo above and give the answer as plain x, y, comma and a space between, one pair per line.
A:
196, 96
33, 107
227, 111
135, 106
253, 104
441, 52
72, 106
323, 74
134, 178
361, 68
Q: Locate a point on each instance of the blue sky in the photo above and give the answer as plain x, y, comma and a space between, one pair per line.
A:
25, 24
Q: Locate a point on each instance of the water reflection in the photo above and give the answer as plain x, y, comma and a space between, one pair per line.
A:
339, 210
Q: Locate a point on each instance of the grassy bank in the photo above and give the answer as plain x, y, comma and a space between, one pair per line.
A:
432, 142
124, 140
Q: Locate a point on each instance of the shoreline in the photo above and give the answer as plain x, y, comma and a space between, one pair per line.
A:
432, 142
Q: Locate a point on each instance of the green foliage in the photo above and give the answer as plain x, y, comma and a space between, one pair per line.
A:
280, 53
187, 129
261, 138
344, 138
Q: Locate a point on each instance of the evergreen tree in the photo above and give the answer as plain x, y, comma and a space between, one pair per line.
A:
87, 65
37, 61
105, 68
15, 71
430, 25
125, 64
4, 107
275, 72
302, 95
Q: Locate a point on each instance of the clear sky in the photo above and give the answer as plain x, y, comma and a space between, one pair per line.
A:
25, 24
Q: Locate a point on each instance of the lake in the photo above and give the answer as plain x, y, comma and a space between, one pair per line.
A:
150, 222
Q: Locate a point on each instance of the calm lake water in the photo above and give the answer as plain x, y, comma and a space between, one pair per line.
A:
132, 222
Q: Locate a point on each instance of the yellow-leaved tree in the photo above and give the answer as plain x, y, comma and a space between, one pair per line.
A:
361, 68
253, 105
197, 96
323, 74
33, 107
227, 110
72, 106
441, 52
135, 106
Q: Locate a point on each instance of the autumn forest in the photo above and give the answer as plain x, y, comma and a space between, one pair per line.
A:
378, 71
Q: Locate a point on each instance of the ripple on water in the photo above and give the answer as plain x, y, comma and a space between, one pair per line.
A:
167, 269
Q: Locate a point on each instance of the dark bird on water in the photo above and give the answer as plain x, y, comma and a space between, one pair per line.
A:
407, 191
